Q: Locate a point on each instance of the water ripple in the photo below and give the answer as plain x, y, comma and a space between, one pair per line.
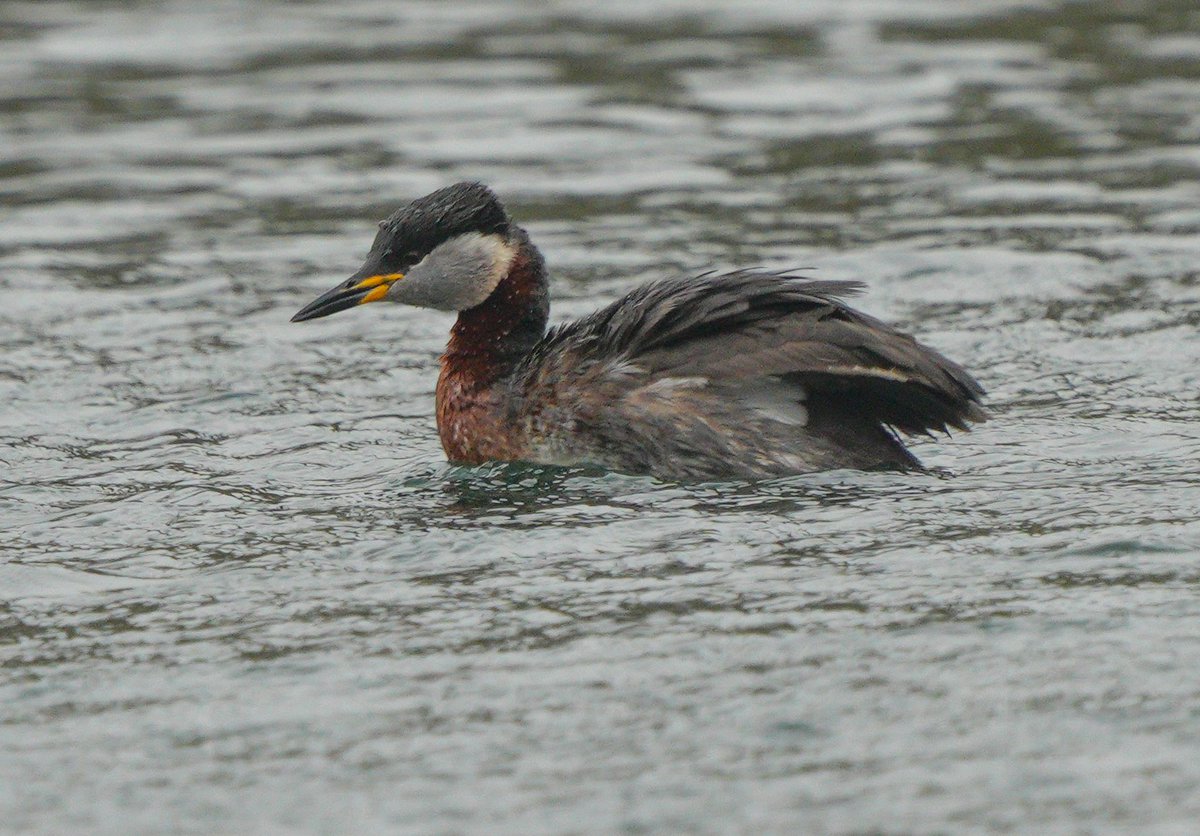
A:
245, 592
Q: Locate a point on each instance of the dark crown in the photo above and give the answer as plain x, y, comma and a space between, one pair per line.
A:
417, 228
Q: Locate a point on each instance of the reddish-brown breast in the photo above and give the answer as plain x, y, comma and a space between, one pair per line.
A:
470, 412
485, 345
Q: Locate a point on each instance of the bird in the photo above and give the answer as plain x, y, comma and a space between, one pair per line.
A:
749, 374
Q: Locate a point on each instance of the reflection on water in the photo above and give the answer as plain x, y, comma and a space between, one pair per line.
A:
245, 592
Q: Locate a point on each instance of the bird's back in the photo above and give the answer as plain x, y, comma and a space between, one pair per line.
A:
741, 375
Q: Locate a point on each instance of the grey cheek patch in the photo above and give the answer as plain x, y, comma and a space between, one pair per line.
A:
457, 275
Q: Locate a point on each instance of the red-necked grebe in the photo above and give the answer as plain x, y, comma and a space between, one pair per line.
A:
741, 375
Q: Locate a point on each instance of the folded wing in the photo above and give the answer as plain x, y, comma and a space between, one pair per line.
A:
757, 342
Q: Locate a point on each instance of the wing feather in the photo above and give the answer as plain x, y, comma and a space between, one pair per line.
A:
738, 327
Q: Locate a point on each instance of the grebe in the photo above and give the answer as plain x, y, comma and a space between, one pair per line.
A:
741, 375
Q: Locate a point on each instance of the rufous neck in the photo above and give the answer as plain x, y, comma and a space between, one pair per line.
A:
506, 326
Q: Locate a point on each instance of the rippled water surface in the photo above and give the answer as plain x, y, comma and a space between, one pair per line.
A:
242, 591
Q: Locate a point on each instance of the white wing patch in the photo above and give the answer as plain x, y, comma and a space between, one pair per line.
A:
669, 385
869, 371
775, 400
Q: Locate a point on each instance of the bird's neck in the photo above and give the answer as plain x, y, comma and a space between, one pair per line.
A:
502, 330
486, 344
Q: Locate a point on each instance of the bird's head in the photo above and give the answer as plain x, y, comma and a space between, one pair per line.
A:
448, 250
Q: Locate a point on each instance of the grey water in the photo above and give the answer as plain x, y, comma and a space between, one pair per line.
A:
242, 591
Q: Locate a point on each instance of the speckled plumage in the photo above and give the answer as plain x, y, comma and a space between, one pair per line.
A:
740, 375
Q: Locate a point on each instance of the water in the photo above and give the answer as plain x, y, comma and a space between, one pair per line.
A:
243, 591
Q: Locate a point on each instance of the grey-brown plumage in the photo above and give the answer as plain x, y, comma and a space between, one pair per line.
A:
746, 374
